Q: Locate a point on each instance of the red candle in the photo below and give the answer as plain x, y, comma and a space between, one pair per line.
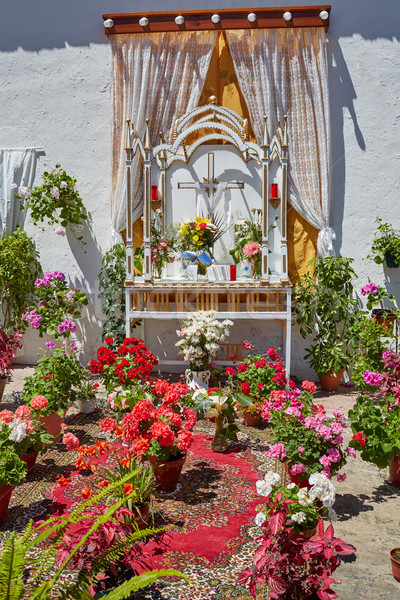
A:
154, 192
233, 272
274, 190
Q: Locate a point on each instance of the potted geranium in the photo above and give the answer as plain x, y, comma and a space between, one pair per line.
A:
200, 335
12, 472
386, 245
325, 310
50, 390
259, 374
130, 363
160, 431
376, 424
303, 436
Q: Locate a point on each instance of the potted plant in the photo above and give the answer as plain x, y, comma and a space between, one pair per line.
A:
86, 393
258, 374
252, 413
395, 560
303, 436
325, 310
57, 308
50, 390
376, 425
19, 268
201, 333
159, 431
376, 294
386, 245
102, 543
130, 364
8, 344
12, 472
219, 404
56, 201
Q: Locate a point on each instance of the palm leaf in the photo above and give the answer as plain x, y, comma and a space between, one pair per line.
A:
140, 581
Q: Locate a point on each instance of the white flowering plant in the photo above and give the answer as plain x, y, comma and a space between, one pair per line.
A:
21, 431
304, 506
201, 333
55, 201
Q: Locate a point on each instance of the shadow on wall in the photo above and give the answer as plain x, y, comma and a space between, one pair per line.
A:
50, 24
342, 95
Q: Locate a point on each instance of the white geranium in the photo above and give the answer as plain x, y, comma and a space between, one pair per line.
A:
259, 519
272, 478
304, 497
18, 433
322, 489
299, 517
263, 488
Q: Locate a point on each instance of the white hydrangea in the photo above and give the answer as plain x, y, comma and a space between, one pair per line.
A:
259, 519
299, 517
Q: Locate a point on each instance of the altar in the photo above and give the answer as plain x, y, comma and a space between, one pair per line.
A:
210, 179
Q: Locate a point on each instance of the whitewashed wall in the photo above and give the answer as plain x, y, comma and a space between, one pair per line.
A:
55, 93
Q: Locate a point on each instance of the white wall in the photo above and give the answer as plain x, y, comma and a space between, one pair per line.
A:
55, 93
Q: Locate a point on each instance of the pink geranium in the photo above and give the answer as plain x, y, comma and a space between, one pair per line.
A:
39, 402
71, 441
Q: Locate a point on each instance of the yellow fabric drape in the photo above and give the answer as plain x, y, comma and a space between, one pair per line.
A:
221, 81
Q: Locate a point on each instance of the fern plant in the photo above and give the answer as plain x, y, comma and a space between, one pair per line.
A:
111, 284
17, 548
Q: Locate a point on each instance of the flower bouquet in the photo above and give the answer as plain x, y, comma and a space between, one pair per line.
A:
247, 240
162, 246
130, 364
376, 424
57, 306
201, 333
303, 435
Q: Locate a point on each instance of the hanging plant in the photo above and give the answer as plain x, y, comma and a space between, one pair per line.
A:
56, 201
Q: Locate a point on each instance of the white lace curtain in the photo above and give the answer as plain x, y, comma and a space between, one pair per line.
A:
156, 76
286, 72
17, 165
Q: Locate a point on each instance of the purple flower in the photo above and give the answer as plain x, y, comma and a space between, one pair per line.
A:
66, 325
372, 378
52, 275
41, 282
371, 288
60, 231
50, 344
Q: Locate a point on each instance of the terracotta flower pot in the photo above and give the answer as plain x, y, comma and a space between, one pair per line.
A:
52, 424
5, 497
395, 558
385, 318
141, 515
394, 471
167, 474
330, 383
29, 458
251, 419
301, 480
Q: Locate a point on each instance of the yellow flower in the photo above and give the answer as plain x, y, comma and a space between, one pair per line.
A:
195, 238
184, 230
200, 220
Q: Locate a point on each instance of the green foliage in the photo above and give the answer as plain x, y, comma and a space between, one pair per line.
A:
325, 310
14, 558
379, 421
12, 468
386, 240
56, 201
54, 377
19, 268
111, 285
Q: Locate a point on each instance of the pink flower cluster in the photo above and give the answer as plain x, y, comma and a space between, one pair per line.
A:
32, 317
66, 326
39, 402
371, 288
71, 441
277, 451
251, 249
296, 469
371, 378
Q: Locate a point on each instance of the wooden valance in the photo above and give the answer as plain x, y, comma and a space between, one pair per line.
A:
197, 20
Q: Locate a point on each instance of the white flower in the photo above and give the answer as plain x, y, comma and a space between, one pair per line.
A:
291, 486
263, 488
303, 497
18, 433
272, 478
259, 519
55, 192
14, 186
63, 185
299, 517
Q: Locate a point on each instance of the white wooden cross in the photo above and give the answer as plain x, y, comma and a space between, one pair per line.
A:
211, 185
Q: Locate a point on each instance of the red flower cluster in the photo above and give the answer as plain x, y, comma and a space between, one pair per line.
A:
360, 438
132, 361
258, 375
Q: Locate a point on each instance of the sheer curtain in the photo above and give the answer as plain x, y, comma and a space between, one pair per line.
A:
285, 71
158, 76
17, 165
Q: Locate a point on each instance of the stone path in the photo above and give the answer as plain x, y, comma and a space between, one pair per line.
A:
368, 508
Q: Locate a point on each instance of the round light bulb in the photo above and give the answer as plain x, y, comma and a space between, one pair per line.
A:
251, 17
179, 20
108, 23
143, 22
287, 16
215, 18
324, 15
